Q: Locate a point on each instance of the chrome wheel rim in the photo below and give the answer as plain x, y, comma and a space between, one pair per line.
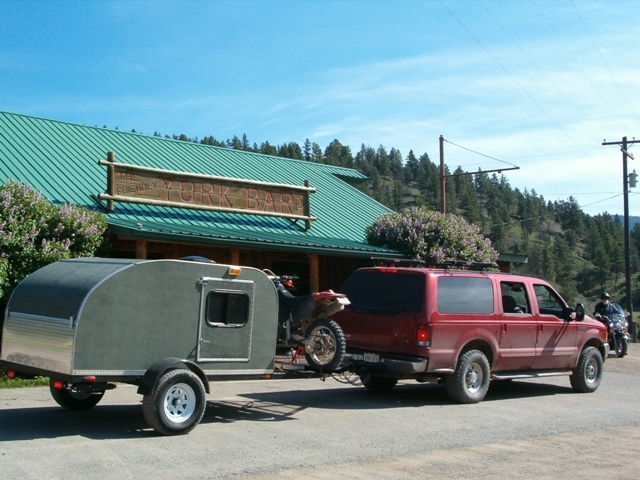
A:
473, 378
591, 371
324, 347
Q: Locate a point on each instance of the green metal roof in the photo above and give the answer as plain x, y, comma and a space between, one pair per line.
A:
60, 160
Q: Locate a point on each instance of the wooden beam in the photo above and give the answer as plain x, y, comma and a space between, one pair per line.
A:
141, 249
314, 272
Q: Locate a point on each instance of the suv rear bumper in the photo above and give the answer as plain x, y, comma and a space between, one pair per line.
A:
386, 362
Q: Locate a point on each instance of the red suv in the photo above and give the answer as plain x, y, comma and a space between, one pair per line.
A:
465, 327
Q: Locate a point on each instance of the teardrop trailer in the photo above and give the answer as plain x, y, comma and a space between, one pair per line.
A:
167, 326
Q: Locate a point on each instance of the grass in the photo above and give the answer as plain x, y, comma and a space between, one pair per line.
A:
22, 382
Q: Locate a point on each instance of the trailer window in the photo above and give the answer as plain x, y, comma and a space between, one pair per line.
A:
227, 308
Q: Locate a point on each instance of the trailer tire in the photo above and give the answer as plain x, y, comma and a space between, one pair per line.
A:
176, 404
73, 400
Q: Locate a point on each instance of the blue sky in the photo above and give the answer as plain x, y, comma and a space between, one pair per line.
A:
538, 84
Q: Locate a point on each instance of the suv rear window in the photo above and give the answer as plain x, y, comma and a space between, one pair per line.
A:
387, 293
465, 295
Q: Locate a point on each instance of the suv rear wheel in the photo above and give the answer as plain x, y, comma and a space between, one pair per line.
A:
470, 381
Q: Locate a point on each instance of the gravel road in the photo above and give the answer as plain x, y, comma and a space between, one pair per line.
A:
281, 429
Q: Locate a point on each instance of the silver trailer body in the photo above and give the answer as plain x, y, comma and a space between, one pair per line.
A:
114, 318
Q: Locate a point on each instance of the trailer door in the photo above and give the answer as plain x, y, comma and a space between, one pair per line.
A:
226, 320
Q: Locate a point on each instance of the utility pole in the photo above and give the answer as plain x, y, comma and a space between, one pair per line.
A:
443, 177
627, 259
443, 195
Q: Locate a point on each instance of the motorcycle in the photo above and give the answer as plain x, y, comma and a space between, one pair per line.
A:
617, 329
304, 326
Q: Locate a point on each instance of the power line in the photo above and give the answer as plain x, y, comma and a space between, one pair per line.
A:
511, 222
540, 71
478, 153
531, 97
604, 62
577, 64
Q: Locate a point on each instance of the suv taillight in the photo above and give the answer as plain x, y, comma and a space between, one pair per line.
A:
424, 336
389, 270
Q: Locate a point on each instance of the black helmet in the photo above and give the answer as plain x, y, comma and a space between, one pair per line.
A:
604, 295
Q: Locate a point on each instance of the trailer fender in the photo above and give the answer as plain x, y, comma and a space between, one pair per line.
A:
160, 367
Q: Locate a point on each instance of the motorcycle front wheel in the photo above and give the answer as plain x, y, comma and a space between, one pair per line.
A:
328, 345
621, 347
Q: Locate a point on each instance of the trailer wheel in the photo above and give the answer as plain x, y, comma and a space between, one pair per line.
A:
74, 400
176, 404
329, 345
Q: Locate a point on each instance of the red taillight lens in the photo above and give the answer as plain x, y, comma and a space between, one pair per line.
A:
89, 379
11, 374
389, 270
58, 385
424, 336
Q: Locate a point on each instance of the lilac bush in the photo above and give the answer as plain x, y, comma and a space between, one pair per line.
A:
431, 236
34, 232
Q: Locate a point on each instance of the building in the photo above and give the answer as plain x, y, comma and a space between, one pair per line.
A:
293, 217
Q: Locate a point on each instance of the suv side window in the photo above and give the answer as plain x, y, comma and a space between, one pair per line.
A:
465, 295
514, 297
548, 301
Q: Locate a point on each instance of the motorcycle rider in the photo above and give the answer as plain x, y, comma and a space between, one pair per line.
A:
603, 308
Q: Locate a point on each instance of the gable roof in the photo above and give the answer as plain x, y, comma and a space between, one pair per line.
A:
60, 160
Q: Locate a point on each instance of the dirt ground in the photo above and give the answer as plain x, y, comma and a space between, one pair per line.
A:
607, 453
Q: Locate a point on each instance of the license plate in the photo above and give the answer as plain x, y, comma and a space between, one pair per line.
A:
371, 357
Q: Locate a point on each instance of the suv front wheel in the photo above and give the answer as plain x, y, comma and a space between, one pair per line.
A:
588, 373
470, 381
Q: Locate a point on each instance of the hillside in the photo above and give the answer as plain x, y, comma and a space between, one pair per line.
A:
581, 254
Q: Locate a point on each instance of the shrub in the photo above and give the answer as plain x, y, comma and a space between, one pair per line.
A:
431, 236
34, 233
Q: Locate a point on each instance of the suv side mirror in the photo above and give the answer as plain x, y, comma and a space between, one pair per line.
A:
579, 312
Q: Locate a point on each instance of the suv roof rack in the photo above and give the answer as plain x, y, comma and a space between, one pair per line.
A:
481, 266
447, 264
397, 262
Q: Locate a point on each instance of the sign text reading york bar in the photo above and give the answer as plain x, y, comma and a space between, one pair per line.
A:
134, 184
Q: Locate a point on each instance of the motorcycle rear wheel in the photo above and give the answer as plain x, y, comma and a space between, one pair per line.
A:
331, 345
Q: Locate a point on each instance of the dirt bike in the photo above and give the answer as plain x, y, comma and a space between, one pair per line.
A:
617, 325
304, 326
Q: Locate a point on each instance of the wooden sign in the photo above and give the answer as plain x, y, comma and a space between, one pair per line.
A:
151, 186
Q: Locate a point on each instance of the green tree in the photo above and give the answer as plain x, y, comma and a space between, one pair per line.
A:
306, 150
410, 168
338, 154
